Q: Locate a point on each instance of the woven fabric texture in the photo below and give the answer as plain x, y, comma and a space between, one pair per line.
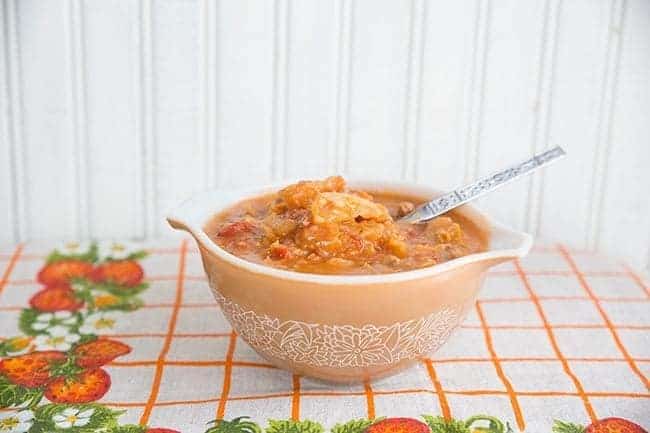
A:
561, 334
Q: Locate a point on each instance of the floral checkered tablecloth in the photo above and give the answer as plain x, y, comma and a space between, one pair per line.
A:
127, 338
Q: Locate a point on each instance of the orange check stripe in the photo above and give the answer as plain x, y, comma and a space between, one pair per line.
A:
603, 314
554, 345
10, 267
227, 376
442, 398
370, 399
334, 394
160, 365
222, 363
295, 400
499, 370
637, 279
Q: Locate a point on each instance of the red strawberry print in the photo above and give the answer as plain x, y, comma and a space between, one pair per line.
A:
398, 425
87, 386
31, 370
59, 298
99, 352
161, 430
121, 272
62, 272
614, 425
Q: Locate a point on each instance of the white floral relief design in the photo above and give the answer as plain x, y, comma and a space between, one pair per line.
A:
341, 345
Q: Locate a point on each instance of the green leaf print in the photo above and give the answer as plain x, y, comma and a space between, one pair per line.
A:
290, 426
12, 395
438, 424
236, 425
92, 255
129, 428
354, 426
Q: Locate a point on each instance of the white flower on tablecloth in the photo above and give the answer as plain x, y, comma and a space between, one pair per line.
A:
113, 249
54, 322
59, 338
74, 247
16, 422
99, 322
116, 250
72, 417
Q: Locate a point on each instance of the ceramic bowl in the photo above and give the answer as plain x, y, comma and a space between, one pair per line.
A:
344, 328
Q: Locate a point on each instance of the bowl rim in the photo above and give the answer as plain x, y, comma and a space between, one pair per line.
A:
194, 213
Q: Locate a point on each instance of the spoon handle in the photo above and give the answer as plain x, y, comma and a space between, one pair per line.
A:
467, 193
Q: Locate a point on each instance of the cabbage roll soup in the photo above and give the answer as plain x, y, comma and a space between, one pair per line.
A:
324, 227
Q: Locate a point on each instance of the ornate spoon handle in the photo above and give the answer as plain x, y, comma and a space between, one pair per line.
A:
482, 186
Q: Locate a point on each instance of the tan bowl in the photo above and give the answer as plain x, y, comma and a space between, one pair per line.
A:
338, 327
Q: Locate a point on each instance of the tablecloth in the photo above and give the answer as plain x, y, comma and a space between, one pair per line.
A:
561, 335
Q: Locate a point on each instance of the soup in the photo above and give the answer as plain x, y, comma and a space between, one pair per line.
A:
324, 227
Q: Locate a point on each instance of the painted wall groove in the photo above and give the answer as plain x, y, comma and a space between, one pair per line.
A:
344, 29
333, 119
207, 116
473, 121
606, 103
16, 156
413, 88
279, 93
8, 180
626, 207
78, 118
145, 119
543, 107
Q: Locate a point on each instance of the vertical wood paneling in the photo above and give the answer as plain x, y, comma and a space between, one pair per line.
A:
311, 128
15, 126
626, 208
145, 121
8, 221
207, 84
179, 160
279, 95
341, 119
78, 119
245, 83
46, 144
583, 29
603, 149
377, 110
114, 151
510, 104
448, 47
543, 108
475, 91
412, 90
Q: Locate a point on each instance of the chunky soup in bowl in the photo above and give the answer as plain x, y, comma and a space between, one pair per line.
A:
324, 227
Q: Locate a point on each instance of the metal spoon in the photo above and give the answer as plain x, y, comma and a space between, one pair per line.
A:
467, 193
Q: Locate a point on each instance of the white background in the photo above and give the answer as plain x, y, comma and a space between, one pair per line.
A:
114, 111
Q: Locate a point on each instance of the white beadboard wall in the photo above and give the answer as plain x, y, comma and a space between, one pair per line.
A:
112, 111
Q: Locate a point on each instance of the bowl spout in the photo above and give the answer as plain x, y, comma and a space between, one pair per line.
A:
178, 225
